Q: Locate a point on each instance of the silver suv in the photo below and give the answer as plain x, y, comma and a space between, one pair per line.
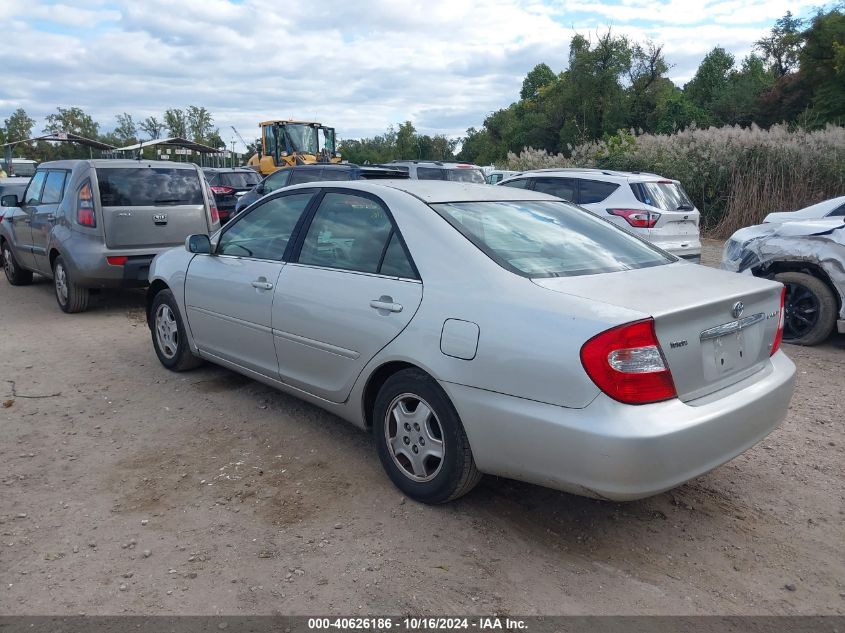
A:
654, 208
99, 223
439, 170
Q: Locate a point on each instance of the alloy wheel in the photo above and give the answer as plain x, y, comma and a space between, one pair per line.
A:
167, 331
801, 311
414, 437
61, 283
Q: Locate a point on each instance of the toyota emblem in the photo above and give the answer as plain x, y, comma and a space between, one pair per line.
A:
737, 309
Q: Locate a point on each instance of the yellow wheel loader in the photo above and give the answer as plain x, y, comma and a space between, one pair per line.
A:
287, 143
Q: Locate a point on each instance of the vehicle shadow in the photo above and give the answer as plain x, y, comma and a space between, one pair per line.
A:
105, 300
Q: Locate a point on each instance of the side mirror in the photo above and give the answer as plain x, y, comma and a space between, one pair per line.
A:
198, 244
10, 200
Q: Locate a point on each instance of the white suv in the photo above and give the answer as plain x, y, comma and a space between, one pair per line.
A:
652, 207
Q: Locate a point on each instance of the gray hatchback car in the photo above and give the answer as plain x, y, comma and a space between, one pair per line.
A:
99, 223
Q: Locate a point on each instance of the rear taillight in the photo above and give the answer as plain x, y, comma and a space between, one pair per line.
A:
779, 334
627, 364
85, 207
215, 215
117, 260
223, 191
212, 205
637, 218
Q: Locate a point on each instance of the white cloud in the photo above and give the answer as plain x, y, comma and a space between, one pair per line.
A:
444, 64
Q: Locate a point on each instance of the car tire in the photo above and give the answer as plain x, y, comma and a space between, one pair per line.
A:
70, 296
16, 275
425, 452
168, 332
810, 299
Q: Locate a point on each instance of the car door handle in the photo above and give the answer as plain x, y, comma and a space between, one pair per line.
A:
385, 303
262, 284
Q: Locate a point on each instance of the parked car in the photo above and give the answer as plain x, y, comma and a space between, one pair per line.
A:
480, 329
498, 175
835, 207
228, 184
14, 186
649, 206
20, 167
99, 223
313, 173
808, 257
439, 170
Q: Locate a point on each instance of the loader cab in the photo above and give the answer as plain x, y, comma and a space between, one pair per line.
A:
288, 143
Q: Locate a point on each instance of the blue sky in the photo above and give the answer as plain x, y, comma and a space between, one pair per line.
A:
359, 66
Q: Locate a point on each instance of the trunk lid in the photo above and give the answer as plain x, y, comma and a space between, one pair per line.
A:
149, 206
706, 346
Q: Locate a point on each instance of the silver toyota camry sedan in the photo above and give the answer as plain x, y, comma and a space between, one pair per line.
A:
477, 329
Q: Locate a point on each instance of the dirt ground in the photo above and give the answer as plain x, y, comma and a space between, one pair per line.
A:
125, 488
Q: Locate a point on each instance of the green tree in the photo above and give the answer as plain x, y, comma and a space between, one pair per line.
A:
152, 127
782, 46
823, 64
200, 124
18, 126
126, 131
711, 80
538, 78
176, 122
72, 120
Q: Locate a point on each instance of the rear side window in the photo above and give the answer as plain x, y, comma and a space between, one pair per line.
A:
277, 180
348, 232
665, 195
33, 191
839, 212
238, 179
519, 183
563, 188
593, 191
335, 174
54, 187
305, 175
430, 173
148, 186
396, 262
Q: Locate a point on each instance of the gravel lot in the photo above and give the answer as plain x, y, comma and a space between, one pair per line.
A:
129, 489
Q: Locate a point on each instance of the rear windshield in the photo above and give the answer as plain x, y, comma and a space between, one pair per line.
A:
666, 195
549, 238
148, 186
238, 179
463, 174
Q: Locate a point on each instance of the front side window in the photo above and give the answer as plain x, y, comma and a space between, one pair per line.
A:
54, 187
33, 191
348, 232
563, 188
519, 183
265, 231
149, 186
464, 174
540, 238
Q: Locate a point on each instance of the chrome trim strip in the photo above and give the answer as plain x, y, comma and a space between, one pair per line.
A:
732, 327
320, 345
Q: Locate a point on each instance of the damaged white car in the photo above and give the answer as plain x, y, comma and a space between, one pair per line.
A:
808, 257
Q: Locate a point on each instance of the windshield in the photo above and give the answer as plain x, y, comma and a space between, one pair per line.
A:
462, 174
665, 195
302, 138
548, 238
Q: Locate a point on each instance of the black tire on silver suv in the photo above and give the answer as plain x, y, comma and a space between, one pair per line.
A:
71, 297
168, 332
810, 309
16, 275
420, 439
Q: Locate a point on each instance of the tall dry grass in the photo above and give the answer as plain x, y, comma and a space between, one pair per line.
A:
734, 175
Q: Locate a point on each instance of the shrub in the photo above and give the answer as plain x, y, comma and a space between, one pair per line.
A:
734, 175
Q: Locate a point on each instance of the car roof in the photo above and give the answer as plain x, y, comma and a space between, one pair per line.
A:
222, 169
436, 191
115, 162
448, 164
609, 175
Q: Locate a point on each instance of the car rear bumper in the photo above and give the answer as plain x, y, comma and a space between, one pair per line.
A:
608, 450
89, 267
